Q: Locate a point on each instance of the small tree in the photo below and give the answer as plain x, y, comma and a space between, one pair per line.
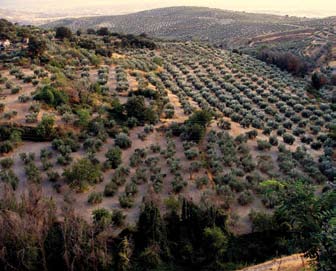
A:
36, 47
63, 33
288, 139
216, 242
45, 128
123, 141
95, 198
83, 173
90, 31
263, 145
113, 156
103, 31
318, 80
102, 217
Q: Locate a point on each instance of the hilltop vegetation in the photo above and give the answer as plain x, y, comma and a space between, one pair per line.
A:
300, 46
304, 52
139, 154
185, 23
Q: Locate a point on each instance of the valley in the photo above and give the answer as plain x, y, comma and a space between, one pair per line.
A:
149, 153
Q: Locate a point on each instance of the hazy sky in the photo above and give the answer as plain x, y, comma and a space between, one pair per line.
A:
291, 7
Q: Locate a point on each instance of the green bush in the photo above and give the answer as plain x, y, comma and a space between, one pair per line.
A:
201, 182
83, 173
9, 177
51, 96
110, 189
245, 198
126, 201
33, 173
273, 141
63, 33
288, 139
118, 218
123, 141
6, 163
263, 145
95, 198
113, 156
45, 128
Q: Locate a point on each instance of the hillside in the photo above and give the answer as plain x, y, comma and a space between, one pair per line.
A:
295, 262
186, 23
314, 45
154, 153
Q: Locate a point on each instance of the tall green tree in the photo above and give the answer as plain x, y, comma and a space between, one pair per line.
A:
36, 47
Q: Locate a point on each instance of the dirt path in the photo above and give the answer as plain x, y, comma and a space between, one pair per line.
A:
295, 262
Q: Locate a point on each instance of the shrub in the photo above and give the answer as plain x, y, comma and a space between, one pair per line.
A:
95, 198
26, 159
318, 80
316, 145
225, 125
33, 173
6, 163
102, 217
245, 198
36, 47
288, 139
83, 173
51, 96
63, 33
118, 218
9, 177
23, 98
202, 181
103, 31
194, 128
273, 140
83, 117
126, 201
261, 221
136, 107
45, 128
113, 156
191, 154
263, 145
123, 141
131, 189
178, 184
110, 189
15, 90
252, 134
53, 176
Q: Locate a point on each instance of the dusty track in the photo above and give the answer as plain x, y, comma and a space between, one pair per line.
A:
294, 262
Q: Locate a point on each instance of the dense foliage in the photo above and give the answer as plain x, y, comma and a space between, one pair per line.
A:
188, 237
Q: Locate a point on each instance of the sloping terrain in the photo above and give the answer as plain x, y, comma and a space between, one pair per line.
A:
295, 262
186, 23
145, 152
256, 108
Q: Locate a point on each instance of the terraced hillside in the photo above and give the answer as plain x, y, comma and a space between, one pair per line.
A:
314, 44
102, 124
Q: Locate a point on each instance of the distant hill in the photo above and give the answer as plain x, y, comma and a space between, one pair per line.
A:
185, 23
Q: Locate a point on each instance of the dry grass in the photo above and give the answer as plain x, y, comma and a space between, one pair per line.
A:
295, 262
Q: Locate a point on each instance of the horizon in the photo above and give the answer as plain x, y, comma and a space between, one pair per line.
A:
105, 7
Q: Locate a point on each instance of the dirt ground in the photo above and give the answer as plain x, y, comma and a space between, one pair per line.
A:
295, 262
